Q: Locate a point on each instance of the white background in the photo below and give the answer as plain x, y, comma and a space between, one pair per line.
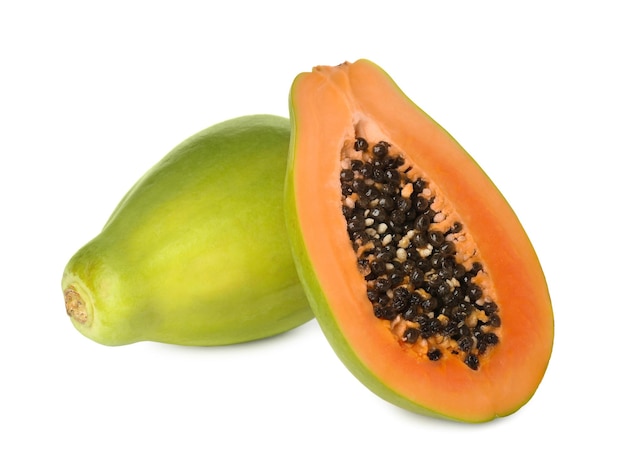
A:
94, 93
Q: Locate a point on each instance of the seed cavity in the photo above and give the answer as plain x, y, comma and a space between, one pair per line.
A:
422, 272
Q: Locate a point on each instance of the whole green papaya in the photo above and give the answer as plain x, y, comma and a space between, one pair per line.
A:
196, 253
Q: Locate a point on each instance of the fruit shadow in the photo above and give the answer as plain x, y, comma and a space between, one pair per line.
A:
308, 328
440, 422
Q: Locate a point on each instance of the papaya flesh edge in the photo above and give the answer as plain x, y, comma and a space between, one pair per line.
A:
329, 107
196, 252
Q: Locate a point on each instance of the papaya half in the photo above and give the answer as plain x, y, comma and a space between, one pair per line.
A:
196, 252
419, 272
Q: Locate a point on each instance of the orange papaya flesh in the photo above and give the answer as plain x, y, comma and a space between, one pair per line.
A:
469, 338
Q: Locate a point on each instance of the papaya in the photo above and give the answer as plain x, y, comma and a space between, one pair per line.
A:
421, 275
196, 252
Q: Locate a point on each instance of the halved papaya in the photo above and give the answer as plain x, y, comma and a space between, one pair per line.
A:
419, 272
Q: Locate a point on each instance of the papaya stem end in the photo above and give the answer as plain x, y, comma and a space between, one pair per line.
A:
75, 306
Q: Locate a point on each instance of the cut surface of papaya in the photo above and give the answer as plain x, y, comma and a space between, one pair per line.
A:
419, 272
196, 252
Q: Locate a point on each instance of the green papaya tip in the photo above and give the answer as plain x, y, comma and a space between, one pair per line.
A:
75, 306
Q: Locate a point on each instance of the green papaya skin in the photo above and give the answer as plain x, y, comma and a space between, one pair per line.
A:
196, 253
